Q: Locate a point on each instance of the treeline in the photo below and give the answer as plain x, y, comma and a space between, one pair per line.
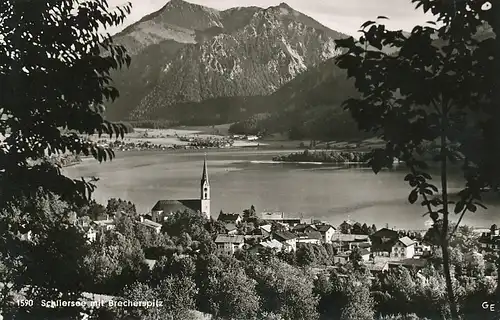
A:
325, 156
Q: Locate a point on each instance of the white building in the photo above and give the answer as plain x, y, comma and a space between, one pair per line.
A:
229, 244
404, 248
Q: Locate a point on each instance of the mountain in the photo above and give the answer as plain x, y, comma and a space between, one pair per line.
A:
306, 108
197, 65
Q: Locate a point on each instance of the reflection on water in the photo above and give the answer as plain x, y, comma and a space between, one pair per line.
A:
240, 178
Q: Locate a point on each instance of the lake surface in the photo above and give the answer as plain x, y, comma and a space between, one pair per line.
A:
240, 178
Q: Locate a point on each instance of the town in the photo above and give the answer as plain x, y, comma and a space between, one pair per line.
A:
278, 232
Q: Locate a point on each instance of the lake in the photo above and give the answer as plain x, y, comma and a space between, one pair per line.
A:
240, 178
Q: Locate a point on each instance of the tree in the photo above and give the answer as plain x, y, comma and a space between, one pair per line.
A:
286, 291
305, 255
178, 296
117, 206
431, 91
45, 43
360, 304
365, 229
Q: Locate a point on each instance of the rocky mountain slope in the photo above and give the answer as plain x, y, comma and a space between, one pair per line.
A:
190, 62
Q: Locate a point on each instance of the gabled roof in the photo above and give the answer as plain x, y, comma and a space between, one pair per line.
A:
316, 235
230, 227
385, 233
273, 244
324, 227
232, 217
151, 224
191, 205
377, 266
302, 227
284, 235
266, 228
364, 252
224, 238
409, 263
406, 241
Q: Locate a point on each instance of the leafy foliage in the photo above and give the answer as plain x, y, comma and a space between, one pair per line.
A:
432, 90
43, 45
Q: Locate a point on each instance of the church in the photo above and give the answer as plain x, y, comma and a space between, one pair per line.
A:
163, 208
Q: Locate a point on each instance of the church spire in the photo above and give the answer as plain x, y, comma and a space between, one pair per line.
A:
204, 175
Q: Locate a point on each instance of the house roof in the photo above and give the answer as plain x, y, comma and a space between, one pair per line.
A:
230, 226
224, 238
170, 206
364, 252
316, 235
284, 235
409, 263
406, 241
151, 224
233, 217
385, 233
384, 240
302, 227
104, 222
272, 244
350, 237
266, 227
377, 266
324, 227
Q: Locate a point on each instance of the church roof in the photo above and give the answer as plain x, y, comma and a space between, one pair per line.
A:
193, 205
204, 175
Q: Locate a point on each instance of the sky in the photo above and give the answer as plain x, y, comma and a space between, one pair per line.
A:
341, 15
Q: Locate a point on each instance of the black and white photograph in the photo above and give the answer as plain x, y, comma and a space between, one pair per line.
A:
249, 160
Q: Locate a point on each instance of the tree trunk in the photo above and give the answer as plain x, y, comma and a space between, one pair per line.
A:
444, 232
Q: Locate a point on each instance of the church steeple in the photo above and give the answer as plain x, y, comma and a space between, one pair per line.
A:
205, 190
204, 175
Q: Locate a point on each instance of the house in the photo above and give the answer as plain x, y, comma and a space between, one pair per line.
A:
272, 244
377, 267
104, 224
229, 244
347, 242
408, 263
303, 228
163, 208
155, 226
265, 229
230, 228
313, 237
286, 237
233, 218
490, 241
327, 231
404, 248
91, 234
341, 258
365, 254
382, 242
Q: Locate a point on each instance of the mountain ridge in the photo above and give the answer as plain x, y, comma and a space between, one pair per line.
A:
238, 52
